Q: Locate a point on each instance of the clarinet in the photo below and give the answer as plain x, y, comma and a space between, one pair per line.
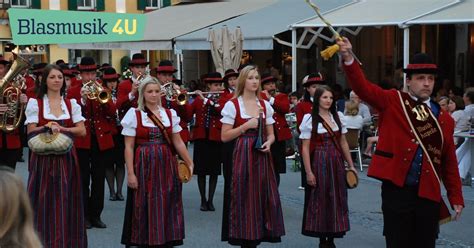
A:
114, 99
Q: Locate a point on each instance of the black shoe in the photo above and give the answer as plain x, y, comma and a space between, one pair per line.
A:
87, 223
21, 160
98, 223
119, 197
204, 207
210, 206
113, 197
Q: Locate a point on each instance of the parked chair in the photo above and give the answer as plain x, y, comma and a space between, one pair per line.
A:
352, 137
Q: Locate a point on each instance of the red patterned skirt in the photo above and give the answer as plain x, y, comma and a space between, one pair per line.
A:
54, 186
326, 212
154, 211
255, 213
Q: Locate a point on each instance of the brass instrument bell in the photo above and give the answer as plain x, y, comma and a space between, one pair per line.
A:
172, 94
10, 88
97, 92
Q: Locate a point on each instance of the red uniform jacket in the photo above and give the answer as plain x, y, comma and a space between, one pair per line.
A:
75, 82
102, 116
201, 110
185, 113
12, 139
29, 81
302, 108
397, 144
281, 105
123, 101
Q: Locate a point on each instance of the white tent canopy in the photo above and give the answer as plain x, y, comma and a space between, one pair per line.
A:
165, 24
259, 27
378, 13
402, 13
462, 12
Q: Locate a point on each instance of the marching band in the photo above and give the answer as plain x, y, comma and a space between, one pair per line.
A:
141, 126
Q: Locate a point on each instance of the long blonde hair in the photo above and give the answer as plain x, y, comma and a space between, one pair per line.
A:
141, 99
16, 215
244, 73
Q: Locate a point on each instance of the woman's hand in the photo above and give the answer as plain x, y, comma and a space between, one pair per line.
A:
132, 181
352, 168
311, 179
266, 146
55, 127
191, 169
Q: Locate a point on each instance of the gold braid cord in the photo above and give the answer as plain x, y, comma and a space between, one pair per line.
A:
331, 50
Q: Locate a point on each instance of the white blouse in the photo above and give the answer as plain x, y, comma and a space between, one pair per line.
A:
354, 122
129, 121
32, 109
229, 112
307, 126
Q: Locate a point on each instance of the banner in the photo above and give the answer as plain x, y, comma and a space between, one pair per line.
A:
29, 26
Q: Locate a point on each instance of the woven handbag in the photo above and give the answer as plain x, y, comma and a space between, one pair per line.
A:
184, 173
44, 142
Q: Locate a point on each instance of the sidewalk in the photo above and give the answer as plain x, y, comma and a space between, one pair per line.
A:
203, 228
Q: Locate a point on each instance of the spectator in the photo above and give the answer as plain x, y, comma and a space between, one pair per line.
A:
363, 109
443, 103
294, 98
352, 117
16, 215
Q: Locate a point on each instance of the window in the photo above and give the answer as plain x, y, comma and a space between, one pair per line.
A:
153, 4
21, 3
85, 4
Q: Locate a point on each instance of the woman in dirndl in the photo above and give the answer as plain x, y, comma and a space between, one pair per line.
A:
54, 182
324, 150
154, 209
255, 213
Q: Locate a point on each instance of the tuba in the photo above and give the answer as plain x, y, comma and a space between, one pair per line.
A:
97, 92
172, 94
10, 88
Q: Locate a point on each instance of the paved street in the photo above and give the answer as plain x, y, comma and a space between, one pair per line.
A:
203, 228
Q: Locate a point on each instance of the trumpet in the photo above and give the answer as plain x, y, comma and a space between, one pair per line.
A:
173, 94
97, 92
10, 90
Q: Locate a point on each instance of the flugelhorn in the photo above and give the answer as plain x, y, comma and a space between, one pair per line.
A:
97, 92
172, 94
10, 87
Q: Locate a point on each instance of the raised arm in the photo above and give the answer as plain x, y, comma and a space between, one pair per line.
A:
367, 91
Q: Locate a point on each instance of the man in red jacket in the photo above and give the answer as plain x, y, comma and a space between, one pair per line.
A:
95, 150
127, 92
415, 153
164, 73
10, 142
281, 105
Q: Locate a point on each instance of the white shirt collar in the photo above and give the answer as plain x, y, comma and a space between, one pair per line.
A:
427, 102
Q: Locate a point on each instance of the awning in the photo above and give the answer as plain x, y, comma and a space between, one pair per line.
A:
462, 12
259, 27
379, 13
165, 24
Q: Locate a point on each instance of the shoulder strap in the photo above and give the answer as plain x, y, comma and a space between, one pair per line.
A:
159, 124
332, 134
